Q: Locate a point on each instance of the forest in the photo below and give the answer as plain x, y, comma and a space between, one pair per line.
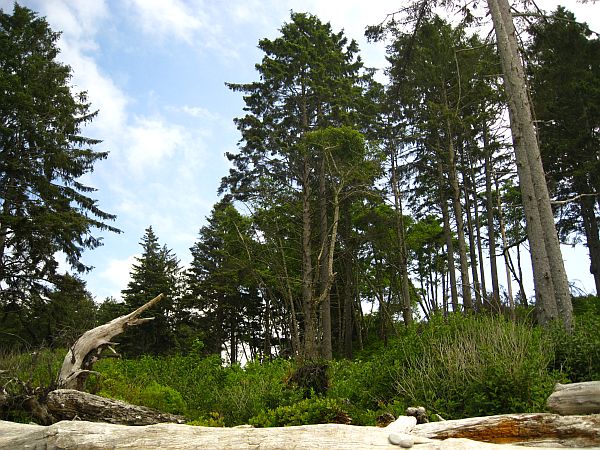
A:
351, 267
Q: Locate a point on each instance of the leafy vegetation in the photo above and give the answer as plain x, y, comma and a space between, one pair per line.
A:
455, 367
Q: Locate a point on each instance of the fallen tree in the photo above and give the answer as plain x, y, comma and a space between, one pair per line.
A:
448, 435
72, 404
576, 398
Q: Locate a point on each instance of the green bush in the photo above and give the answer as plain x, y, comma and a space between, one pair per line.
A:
163, 398
577, 354
253, 388
456, 367
308, 411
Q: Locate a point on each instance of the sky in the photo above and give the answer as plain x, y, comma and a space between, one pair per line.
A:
156, 71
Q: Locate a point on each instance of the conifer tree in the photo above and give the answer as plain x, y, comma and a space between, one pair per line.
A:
44, 207
156, 271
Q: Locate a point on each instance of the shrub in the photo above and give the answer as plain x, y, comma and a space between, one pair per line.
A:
253, 388
163, 398
308, 411
577, 354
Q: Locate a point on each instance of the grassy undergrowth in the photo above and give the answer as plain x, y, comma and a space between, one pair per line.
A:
455, 367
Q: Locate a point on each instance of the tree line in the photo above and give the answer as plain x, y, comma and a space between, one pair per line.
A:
344, 194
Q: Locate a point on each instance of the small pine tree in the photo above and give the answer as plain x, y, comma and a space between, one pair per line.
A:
156, 271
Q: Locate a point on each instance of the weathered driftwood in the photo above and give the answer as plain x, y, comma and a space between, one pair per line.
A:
576, 398
89, 435
73, 404
86, 350
530, 429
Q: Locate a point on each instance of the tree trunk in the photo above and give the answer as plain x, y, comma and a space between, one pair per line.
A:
323, 260
590, 225
553, 298
448, 237
537, 429
468, 188
458, 217
495, 300
310, 350
400, 235
466, 434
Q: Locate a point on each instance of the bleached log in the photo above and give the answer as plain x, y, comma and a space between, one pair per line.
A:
531, 429
90, 435
86, 350
74, 404
576, 398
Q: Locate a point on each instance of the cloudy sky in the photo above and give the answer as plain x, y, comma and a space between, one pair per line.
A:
156, 71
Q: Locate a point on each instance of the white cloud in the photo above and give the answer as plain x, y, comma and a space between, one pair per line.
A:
168, 17
198, 112
150, 141
116, 275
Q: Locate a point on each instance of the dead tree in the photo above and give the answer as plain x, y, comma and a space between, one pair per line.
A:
87, 349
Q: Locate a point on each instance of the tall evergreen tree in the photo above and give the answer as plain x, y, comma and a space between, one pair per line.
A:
44, 208
222, 288
156, 271
310, 78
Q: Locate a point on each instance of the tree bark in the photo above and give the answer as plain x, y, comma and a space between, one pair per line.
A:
491, 227
87, 349
537, 429
576, 398
553, 298
401, 236
448, 238
529, 428
70, 404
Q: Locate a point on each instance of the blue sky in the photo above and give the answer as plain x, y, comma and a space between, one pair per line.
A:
156, 71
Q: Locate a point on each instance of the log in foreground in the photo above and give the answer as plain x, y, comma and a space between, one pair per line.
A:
531, 429
576, 398
90, 435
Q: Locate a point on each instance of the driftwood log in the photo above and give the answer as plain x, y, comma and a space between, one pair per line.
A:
72, 404
576, 398
86, 350
90, 435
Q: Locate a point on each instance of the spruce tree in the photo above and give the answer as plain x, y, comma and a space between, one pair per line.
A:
44, 207
156, 271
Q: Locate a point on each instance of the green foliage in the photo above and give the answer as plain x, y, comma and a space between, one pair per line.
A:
459, 367
577, 354
163, 398
254, 388
155, 272
308, 411
36, 368
45, 208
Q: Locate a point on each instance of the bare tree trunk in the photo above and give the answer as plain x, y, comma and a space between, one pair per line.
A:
553, 299
458, 217
400, 235
468, 188
449, 243
308, 303
323, 263
495, 300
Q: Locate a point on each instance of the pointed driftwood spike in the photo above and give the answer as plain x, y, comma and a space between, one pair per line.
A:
78, 361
